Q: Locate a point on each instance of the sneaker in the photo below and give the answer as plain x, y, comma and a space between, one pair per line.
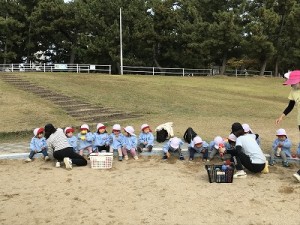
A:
272, 162
68, 163
191, 159
297, 176
57, 164
165, 157
120, 158
285, 164
47, 158
28, 160
136, 157
181, 157
240, 174
126, 157
139, 149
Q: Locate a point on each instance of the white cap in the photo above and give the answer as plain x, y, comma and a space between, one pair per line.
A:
37, 131
174, 142
232, 137
130, 130
280, 132
197, 140
100, 125
218, 140
287, 75
144, 126
84, 126
246, 128
116, 127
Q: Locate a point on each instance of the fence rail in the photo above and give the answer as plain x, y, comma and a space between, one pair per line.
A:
78, 68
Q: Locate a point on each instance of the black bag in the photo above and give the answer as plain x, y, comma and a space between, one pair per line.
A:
161, 135
189, 134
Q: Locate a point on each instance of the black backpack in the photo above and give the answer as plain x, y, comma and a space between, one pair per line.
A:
161, 135
189, 134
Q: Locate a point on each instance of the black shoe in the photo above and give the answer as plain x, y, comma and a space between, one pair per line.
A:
164, 157
181, 157
139, 149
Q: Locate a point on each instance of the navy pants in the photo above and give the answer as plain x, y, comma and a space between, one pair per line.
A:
68, 152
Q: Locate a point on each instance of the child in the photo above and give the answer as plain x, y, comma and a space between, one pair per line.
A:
173, 145
217, 146
85, 139
199, 146
38, 145
116, 140
281, 148
248, 130
71, 138
146, 138
297, 175
101, 138
129, 143
230, 144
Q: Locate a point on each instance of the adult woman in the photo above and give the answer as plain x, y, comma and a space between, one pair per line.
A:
62, 150
247, 152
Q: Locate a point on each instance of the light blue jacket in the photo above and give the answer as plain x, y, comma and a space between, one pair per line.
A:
130, 142
228, 146
89, 137
286, 146
149, 138
101, 139
199, 150
167, 146
116, 142
36, 144
73, 142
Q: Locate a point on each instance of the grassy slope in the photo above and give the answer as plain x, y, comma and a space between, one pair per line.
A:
209, 104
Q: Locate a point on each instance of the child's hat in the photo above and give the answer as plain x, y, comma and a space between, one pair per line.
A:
174, 142
287, 75
116, 127
144, 126
130, 130
37, 131
232, 137
100, 126
84, 127
293, 78
69, 129
197, 140
246, 128
281, 132
218, 140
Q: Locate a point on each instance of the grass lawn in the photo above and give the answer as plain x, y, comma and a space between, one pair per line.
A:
208, 104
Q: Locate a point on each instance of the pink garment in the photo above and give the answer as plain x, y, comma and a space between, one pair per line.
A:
132, 151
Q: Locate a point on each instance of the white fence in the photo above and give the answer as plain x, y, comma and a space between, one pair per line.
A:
78, 68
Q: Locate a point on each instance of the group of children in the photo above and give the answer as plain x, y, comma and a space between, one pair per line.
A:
99, 141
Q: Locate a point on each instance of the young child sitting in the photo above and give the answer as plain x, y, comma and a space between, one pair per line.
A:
101, 139
71, 138
129, 143
85, 139
248, 130
38, 145
230, 144
199, 146
173, 145
281, 148
217, 146
116, 140
146, 139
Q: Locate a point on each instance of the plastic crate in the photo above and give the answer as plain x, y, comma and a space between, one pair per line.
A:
217, 175
101, 160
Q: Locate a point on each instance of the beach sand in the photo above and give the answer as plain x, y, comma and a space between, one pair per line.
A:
147, 191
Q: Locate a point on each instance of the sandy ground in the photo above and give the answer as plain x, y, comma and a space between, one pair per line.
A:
147, 191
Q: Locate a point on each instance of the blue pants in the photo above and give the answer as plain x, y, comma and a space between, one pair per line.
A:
192, 152
32, 153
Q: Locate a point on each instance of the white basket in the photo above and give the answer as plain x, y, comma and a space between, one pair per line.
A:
101, 160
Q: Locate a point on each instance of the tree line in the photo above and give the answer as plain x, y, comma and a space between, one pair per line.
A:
237, 34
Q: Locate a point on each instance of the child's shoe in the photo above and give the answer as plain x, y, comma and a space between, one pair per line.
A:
181, 157
68, 163
165, 157
297, 176
126, 157
139, 149
272, 162
28, 160
191, 159
120, 158
47, 158
57, 164
136, 157
285, 164
240, 174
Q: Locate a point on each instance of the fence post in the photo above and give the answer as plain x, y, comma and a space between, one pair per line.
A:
183, 72
235, 72
153, 71
77, 68
12, 67
44, 68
